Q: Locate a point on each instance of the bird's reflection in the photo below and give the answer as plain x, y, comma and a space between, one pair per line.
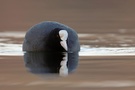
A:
61, 63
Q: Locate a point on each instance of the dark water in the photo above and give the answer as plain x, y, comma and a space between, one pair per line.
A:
106, 32
47, 63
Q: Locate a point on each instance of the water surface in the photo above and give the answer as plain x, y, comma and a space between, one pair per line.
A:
91, 45
105, 61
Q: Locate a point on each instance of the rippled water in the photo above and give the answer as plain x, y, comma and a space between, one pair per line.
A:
106, 33
91, 44
105, 61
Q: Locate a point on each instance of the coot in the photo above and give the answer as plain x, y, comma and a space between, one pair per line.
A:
51, 36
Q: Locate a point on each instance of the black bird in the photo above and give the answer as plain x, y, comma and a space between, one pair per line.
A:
51, 36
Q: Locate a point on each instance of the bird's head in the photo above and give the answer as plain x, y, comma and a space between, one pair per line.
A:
63, 36
57, 40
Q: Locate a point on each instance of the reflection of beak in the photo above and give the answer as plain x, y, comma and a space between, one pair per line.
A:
64, 69
64, 44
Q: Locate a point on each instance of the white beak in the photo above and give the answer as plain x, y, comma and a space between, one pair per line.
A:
63, 36
64, 45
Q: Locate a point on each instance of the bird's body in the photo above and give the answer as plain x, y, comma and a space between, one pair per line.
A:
44, 37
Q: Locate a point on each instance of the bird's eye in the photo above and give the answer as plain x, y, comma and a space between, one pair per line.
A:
57, 36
